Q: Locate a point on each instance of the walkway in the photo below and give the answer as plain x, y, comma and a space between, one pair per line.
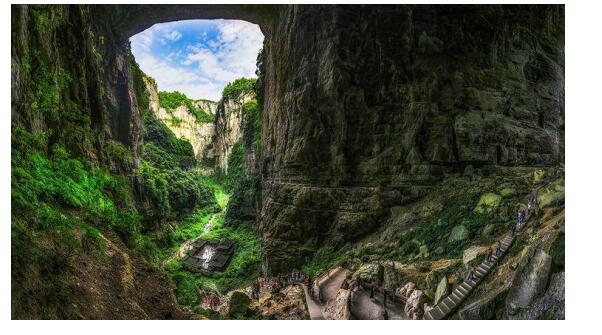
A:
365, 308
329, 284
446, 306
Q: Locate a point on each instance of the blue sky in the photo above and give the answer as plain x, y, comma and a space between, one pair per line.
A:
198, 57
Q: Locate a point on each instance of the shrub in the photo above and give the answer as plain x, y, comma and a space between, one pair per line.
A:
173, 100
237, 87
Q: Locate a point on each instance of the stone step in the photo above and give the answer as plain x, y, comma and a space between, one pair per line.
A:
462, 291
447, 304
455, 299
444, 309
436, 313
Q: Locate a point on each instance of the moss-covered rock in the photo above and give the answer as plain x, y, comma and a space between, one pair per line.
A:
474, 255
458, 233
551, 195
488, 203
507, 192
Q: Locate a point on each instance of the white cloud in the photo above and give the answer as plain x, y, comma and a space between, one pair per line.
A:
173, 35
232, 55
199, 71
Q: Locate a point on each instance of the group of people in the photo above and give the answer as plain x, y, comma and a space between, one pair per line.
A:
522, 215
211, 301
276, 283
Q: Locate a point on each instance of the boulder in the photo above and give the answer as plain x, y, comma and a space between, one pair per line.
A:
413, 306
238, 304
442, 290
390, 278
371, 275
474, 255
405, 291
530, 280
551, 195
507, 192
458, 233
488, 203
538, 175
550, 305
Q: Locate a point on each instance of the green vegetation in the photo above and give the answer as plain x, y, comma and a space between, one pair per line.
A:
237, 87
434, 231
173, 100
243, 268
55, 190
325, 259
488, 203
61, 204
166, 179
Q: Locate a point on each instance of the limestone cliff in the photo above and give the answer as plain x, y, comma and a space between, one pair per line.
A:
182, 121
229, 129
366, 105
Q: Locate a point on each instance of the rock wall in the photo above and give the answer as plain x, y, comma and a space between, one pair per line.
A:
187, 127
206, 105
229, 129
363, 105
72, 79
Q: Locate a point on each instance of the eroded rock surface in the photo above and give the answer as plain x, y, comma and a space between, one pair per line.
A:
364, 104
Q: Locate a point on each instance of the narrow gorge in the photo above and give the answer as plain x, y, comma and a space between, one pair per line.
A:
392, 147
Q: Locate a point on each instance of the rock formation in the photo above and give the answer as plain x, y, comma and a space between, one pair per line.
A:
229, 128
365, 104
182, 122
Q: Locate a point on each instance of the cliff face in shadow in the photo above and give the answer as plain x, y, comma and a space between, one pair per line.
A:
366, 105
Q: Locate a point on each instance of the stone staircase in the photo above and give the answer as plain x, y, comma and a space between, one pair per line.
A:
446, 306
459, 294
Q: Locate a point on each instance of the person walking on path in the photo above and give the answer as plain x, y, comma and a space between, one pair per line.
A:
470, 275
498, 248
385, 315
349, 302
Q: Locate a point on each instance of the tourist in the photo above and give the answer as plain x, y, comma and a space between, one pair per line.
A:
385, 315
470, 275
349, 301
498, 248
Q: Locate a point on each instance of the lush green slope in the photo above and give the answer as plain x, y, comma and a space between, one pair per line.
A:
173, 100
